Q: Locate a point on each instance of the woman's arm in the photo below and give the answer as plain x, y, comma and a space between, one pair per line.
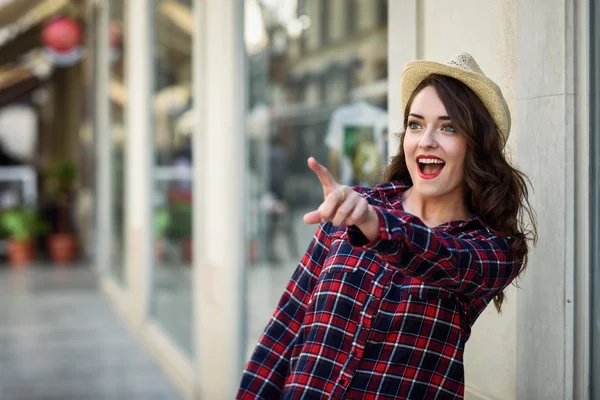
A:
477, 267
480, 266
265, 373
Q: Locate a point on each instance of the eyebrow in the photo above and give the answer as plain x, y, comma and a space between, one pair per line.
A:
440, 118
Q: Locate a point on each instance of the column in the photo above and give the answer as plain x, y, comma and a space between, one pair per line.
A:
219, 87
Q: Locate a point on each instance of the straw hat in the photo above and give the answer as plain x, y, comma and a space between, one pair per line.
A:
463, 68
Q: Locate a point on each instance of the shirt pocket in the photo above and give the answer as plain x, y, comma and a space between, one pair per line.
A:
418, 289
342, 257
352, 268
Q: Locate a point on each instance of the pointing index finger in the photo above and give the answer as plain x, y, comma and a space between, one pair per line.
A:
322, 173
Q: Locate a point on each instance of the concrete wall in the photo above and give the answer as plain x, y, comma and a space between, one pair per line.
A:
545, 82
486, 30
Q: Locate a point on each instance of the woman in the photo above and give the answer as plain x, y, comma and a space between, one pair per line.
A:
383, 301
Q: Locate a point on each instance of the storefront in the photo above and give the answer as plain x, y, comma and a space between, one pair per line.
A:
207, 110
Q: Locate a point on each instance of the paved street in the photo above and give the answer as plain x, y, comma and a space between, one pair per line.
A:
59, 339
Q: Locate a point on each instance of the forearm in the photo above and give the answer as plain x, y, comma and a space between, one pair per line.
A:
478, 266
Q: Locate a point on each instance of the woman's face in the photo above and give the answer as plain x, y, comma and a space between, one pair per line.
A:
435, 151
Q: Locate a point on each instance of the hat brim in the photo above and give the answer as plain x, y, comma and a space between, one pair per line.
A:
490, 94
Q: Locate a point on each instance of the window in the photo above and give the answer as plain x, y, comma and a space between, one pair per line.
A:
281, 135
325, 21
118, 132
352, 23
383, 12
171, 296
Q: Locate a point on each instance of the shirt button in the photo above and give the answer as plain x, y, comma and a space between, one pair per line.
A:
353, 354
373, 297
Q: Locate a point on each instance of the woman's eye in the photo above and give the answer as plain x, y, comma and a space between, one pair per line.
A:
413, 125
448, 128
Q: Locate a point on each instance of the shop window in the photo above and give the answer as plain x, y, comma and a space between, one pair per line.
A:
282, 135
118, 133
172, 200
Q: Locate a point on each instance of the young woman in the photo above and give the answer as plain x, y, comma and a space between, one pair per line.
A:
383, 301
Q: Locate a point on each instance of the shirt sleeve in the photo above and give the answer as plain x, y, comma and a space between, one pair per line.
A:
477, 267
265, 372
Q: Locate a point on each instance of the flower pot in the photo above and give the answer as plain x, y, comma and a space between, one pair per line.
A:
63, 247
21, 252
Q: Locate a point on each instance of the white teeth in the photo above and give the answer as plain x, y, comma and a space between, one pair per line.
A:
430, 161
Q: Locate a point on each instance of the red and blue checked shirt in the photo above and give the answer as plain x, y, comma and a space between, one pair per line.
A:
387, 319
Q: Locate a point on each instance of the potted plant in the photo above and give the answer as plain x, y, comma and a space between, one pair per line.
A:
62, 243
180, 227
22, 226
161, 223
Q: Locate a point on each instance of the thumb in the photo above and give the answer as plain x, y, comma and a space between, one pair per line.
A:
313, 217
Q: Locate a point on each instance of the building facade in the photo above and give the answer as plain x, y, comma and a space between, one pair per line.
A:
205, 113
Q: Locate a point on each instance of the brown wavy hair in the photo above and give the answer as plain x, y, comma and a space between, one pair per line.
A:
495, 190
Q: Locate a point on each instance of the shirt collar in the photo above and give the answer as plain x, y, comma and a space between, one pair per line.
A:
391, 195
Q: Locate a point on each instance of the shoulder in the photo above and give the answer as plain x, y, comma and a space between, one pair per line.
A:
477, 232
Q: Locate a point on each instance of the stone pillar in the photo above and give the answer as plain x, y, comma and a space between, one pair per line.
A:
545, 119
219, 198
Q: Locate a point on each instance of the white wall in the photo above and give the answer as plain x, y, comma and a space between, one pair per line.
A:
546, 110
486, 30
219, 178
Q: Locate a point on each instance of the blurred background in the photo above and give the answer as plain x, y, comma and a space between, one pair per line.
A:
153, 180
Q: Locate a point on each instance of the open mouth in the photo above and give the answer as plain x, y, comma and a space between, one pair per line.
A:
430, 167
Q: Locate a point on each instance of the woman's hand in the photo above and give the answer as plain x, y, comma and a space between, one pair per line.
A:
341, 205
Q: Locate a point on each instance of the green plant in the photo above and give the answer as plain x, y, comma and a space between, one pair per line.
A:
22, 224
162, 219
180, 221
62, 176
61, 181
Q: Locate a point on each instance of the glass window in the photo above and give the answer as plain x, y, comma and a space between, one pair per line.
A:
351, 19
331, 105
171, 297
118, 129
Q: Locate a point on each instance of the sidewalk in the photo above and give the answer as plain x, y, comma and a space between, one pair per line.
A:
60, 340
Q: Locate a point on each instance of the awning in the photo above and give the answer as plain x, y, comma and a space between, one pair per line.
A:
17, 80
13, 10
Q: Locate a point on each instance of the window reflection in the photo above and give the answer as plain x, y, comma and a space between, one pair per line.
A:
118, 108
317, 83
172, 173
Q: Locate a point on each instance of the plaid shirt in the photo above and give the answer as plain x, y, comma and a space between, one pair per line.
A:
386, 319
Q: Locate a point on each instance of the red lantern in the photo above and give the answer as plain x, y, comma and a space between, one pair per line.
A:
62, 39
62, 34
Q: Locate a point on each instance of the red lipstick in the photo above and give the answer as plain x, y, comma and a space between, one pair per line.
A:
429, 176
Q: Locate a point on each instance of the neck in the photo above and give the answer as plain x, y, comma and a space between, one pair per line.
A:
436, 210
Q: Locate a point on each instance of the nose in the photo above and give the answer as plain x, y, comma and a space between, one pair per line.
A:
428, 139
